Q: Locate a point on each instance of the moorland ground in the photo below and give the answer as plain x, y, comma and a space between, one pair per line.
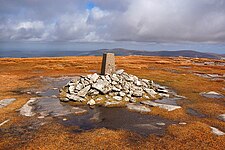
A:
177, 73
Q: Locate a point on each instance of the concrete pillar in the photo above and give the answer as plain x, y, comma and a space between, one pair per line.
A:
108, 63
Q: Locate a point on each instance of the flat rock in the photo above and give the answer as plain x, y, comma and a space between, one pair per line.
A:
222, 117
102, 86
112, 103
151, 92
217, 131
119, 72
6, 102
138, 108
75, 98
79, 86
83, 92
114, 78
94, 77
26, 110
212, 94
118, 98
163, 106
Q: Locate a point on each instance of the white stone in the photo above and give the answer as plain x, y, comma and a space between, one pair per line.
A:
94, 77
222, 117
162, 91
161, 123
102, 86
115, 89
115, 78
118, 98
91, 102
213, 93
119, 72
72, 89
122, 93
74, 97
163, 106
79, 86
217, 131
83, 92
164, 95
151, 92
182, 123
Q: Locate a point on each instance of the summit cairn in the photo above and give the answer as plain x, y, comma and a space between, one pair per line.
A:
111, 87
108, 64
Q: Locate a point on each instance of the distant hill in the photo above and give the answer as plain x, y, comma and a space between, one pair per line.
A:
125, 52
117, 51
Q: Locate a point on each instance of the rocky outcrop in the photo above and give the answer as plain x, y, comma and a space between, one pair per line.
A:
120, 86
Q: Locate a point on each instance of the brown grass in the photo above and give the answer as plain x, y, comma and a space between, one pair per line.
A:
21, 73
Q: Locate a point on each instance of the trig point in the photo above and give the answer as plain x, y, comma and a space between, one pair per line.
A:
108, 64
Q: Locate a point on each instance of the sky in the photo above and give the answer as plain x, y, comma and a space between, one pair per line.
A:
94, 24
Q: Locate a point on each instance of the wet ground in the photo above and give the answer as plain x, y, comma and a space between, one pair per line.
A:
47, 106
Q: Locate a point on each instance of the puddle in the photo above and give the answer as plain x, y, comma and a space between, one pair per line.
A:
118, 118
193, 112
98, 117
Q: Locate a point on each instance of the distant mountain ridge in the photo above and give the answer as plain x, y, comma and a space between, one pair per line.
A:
184, 53
117, 51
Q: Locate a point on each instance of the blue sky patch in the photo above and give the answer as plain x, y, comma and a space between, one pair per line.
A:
90, 5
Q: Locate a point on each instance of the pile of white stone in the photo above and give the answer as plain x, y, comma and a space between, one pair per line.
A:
119, 86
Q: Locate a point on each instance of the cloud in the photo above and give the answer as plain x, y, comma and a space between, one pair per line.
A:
127, 20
